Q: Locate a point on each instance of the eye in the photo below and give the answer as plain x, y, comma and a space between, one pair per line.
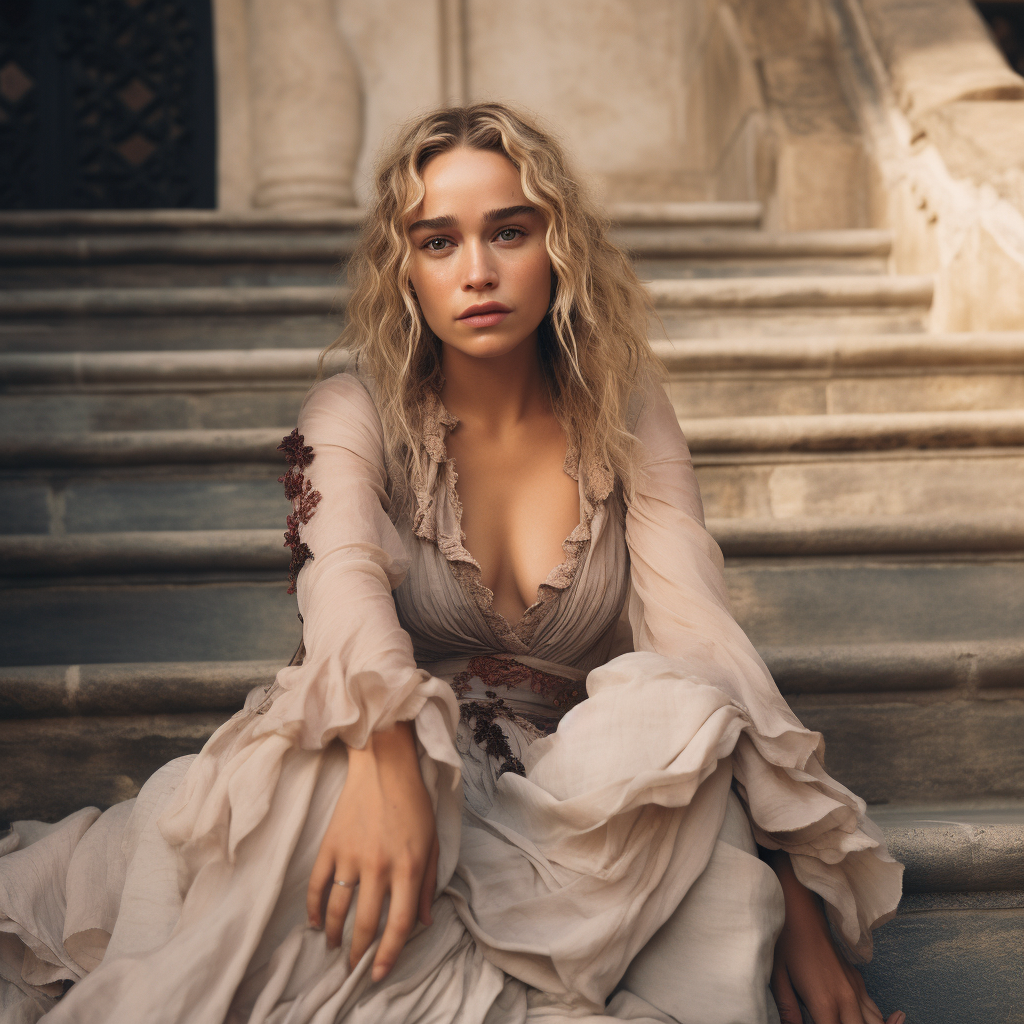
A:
510, 234
436, 244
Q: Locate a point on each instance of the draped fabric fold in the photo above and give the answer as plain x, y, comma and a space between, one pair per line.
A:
679, 607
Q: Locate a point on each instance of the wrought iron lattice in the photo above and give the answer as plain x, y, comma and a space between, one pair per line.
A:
1006, 23
19, 104
119, 107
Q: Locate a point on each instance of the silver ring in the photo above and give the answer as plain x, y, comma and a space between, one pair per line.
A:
348, 885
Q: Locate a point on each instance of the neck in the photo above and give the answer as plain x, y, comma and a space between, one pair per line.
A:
495, 393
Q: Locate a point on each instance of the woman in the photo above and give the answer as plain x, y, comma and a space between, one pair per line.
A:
432, 765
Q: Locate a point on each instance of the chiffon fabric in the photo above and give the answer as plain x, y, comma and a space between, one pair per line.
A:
613, 875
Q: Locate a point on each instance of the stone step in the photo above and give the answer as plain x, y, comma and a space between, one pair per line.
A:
65, 222
229, 615
764, 376
964, 670
962, 913
952, 482
751, 377
261, 257
956, 482
112, 407
740, 435
168, 333
69, 761
835, 356
200, 551
760, 293
254, 247
90, 319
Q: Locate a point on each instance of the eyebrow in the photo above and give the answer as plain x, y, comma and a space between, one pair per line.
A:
450, 221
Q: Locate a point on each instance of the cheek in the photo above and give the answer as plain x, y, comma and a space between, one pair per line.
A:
430, 284
534, 280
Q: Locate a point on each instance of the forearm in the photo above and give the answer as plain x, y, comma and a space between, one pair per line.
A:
389, 752
803, 907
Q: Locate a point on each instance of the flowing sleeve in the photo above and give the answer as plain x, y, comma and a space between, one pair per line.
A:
679, 608
359, 673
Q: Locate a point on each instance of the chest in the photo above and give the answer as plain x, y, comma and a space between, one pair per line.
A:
518, 504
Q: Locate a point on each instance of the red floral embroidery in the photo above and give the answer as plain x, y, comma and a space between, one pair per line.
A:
489, 735
563, 693
299, 491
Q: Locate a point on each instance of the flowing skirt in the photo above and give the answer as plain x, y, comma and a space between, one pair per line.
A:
617, 877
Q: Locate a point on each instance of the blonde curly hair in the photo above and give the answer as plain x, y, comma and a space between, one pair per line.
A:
592, 343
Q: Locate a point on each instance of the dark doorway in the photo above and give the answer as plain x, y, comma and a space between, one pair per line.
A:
1006, 23
106, 104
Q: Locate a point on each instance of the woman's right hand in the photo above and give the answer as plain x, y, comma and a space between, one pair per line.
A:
381, 835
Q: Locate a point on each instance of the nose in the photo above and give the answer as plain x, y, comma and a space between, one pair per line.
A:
479, 270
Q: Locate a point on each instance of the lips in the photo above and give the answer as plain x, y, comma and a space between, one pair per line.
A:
487, 314
485, 307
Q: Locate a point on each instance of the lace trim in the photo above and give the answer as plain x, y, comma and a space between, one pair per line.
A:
299, 491
441, 478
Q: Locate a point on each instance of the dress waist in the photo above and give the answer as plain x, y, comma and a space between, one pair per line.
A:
536, 690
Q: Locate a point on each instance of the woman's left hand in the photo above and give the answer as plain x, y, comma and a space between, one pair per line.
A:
808, 966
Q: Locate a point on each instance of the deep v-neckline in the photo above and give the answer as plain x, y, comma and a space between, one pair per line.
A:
571, 457
515, 636
437, 520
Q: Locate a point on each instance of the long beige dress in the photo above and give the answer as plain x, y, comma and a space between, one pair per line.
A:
597, 855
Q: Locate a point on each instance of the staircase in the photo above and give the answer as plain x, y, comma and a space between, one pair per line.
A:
864, 477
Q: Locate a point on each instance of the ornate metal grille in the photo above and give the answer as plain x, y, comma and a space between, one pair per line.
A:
106, 104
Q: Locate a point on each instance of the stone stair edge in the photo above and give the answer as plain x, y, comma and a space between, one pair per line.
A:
55, 221
777, 292
258, 550
45, 691
806, 433
959, 857
328, 247
827, 354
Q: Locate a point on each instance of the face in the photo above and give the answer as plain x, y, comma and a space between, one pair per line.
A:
479, 266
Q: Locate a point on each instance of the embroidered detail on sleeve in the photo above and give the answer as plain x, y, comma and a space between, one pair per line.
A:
299, 491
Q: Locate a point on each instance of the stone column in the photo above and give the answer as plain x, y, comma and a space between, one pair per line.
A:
306, 106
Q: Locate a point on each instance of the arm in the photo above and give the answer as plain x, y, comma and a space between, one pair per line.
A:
382, 833
358, 683
808, 965
817, 830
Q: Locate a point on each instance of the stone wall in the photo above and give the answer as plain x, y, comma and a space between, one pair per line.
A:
832, 113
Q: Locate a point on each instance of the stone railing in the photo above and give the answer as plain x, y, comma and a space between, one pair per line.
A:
943, 118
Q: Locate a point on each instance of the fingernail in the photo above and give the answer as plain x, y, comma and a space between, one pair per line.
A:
379, 970
312, 922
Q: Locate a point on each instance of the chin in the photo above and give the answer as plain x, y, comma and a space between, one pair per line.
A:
486, 347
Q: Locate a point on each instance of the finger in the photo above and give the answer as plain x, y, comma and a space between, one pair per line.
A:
319, 879
401, 918
368, 908
338, 902
849, 1010
868, 1008
897, 1017
785, 997
870, 1012
429, 885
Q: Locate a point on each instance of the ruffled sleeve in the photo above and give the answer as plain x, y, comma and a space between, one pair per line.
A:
679, 608
359, 673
